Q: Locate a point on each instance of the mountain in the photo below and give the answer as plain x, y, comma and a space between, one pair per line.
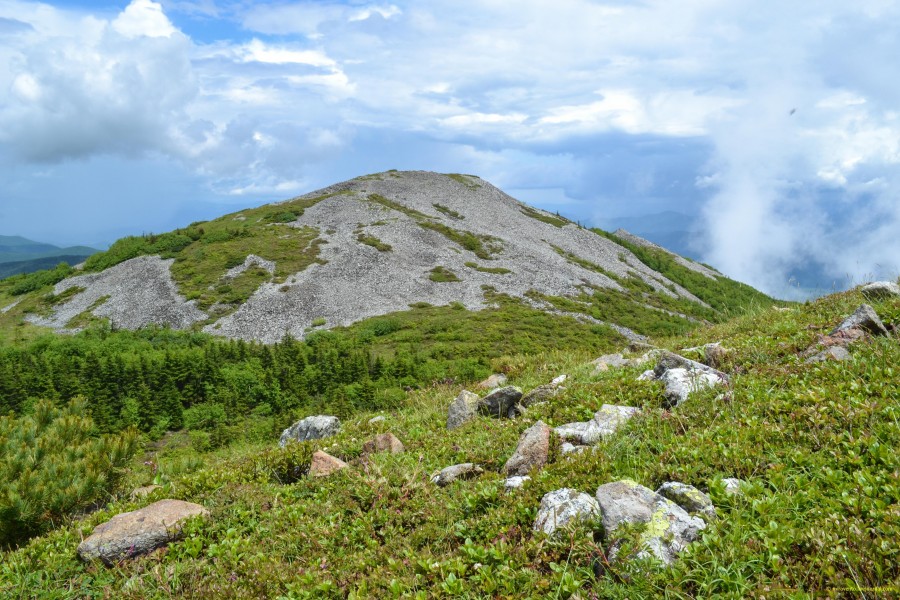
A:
382, 244
672, 230
21, 255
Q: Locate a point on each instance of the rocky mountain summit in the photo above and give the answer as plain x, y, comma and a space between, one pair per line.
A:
370, 246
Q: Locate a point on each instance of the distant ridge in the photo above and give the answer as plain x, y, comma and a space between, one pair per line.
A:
21, 255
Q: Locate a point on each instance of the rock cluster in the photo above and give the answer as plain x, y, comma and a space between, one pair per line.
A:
310, 428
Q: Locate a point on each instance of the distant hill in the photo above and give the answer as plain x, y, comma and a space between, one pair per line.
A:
376, 245
672, 230
21, 255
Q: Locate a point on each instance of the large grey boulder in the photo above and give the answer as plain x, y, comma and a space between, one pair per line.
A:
499, 402
133, 533
605, 422
462, 409
559, 508
864, 318
681, 383
532, 451
879, 290
541, 393
448, 475
689, 498
310, 428
669, 528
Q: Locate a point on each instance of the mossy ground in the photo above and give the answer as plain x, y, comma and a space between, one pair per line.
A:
816, 443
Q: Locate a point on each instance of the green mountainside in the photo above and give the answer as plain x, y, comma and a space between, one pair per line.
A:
21, 255
118, 404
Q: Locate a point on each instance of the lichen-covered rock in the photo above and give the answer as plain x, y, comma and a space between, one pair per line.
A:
568, 448
670, 360
385, 442
879, 290
689, 498
462, 409
323, 464
559, 508
681, 383
499, 402
448, 475
531, 452
648, 375
559, 380
669, 527
515, 482
133, 533
864, 318
539, 394
311, 428
605, 422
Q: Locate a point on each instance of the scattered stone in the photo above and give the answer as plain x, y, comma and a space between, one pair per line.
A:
670, 360
879, 290
539, 394
378, 419
838, 353
492, 382
680, 383
567, 448
311, 428
531, 452
733, 486
499, 402
689, 498
864, 318
515, 482
133, 533
559, 508
605, 422
636, 346
143, 492
462, 409
669, 527
558, 381
609, 360
450, 474
714, 355
323, 464
648, 375
385, 442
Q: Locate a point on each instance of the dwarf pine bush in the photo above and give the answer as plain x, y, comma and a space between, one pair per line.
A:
52, 465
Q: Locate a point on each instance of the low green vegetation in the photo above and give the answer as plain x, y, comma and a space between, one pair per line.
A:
470, 181
448, 212
494, 270
443, 275
815, 444
371, 240
556, 221
410, 212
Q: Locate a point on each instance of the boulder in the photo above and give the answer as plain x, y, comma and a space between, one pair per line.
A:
310, 428
670, 360
605, 422
669, 527
448, 475
385, 442
605, 362
689, 498
864, 318
133, 533
532, 451
832, 353
879, 290
559, 508
648, 375
462, 409
494, 381
681, 383
714, 355
539, 394
323, 464
567, 448
499, 402
378, 419
515, 482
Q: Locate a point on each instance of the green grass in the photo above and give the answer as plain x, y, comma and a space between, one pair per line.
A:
815, 443
466, 180
443, 275
556, 221
448, 212
494, 270
371, 240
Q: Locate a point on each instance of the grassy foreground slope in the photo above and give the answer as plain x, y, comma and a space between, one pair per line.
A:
817, 444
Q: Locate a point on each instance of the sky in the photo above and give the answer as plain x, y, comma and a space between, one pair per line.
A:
774, 125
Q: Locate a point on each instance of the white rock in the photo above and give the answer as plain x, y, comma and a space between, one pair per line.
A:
515, 482
310, 428
562, 507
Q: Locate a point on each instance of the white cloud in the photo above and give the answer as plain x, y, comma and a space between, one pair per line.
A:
143, 18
